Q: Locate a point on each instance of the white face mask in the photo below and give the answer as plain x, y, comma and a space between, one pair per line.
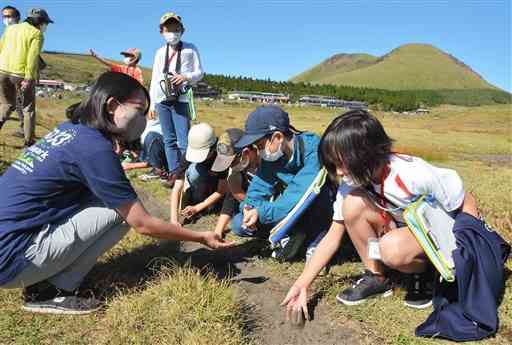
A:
269, 156
9, 21
172, 38
132, 123
43, 27
127, 60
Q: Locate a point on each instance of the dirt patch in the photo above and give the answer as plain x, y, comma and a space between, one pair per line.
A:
260, 291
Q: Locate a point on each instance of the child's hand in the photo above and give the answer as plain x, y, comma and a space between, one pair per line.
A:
178, 79
296, 302
250, 217
189, 211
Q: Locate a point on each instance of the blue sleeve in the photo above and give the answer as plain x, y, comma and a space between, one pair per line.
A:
272, 212
104, 176
260, 189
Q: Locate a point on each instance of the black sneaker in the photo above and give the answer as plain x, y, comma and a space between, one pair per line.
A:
51, 300
368, 286
419, 290
289, 246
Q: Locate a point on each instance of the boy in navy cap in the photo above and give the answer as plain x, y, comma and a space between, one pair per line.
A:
289, 164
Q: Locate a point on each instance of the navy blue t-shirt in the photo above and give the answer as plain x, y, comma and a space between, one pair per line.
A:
70, 167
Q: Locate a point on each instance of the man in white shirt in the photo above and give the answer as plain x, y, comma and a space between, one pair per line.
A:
176, 66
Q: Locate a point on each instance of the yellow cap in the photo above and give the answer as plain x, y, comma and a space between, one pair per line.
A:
168, 16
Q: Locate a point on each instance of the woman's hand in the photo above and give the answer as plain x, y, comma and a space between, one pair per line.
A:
152, 115
296, 302
214, 241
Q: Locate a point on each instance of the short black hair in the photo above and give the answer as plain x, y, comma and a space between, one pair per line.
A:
358, 141
92, 112
36, 21
14, 9
167, 22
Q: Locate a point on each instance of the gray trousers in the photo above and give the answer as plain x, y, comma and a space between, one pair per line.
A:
64, 253
24, 102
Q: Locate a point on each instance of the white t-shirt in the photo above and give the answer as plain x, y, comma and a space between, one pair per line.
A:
408, 178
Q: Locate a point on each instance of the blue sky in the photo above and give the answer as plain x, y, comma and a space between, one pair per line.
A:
278, 39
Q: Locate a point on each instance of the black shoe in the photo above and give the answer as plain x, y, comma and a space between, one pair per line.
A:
50, 300
368, 286
289, 247
419, 290
167, 180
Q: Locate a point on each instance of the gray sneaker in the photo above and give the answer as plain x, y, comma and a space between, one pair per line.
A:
54, 301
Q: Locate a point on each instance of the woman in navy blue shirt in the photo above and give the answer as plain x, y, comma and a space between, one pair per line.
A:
66, 200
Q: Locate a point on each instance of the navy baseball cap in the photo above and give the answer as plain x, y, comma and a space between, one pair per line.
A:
264, 120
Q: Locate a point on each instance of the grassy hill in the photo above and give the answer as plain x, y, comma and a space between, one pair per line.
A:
408, 67
77, 68
336, 64
80, 68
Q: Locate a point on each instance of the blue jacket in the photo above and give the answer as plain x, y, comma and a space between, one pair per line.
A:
297, 174
467, 309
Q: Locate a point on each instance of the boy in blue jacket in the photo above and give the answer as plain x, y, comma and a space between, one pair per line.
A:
289, 164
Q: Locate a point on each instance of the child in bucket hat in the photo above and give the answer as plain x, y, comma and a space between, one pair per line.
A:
242, 164
197, 188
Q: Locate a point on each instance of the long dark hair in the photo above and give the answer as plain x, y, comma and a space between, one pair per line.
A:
357, 140
92, 111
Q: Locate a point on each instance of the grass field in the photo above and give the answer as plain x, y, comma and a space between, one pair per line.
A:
157, 301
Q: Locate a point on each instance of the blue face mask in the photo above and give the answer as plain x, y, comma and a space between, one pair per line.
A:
272, 156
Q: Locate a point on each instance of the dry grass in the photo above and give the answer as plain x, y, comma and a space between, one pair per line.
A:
180, 306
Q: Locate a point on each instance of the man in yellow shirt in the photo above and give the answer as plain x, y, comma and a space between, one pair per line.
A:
20, 47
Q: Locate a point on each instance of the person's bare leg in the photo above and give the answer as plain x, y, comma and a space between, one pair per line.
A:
470, 206
400, 250
363, 221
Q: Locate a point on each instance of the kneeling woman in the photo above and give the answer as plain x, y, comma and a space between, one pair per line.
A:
65, 200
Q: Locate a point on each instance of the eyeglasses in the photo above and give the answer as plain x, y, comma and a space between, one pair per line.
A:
138, 105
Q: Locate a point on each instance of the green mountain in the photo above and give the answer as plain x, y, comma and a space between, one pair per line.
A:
336, 64
408, 67
77, 68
